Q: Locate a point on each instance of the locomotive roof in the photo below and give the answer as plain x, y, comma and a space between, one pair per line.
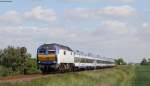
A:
54, 45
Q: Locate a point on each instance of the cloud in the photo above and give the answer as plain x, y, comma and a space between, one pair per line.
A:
81, 13
41, 14
36, 33
115, 26
119, 11
144, 32
35, 14
111, 11
85, 1
145, 25
11, 17
112, 38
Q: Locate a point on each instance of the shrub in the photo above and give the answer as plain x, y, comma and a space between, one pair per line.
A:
16, 61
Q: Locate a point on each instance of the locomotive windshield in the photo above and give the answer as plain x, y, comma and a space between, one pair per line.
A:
45, 51
41, 51
51, 52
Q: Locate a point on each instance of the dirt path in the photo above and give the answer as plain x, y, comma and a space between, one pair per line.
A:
20, 78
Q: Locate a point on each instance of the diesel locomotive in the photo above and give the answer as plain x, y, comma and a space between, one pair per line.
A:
62, 58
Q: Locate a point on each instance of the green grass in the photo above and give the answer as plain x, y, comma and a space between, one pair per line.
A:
142, 76
118, 76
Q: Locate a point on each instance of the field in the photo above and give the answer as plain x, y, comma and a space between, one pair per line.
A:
117, 76
142, 77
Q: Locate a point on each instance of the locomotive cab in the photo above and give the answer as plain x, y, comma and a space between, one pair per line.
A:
54, 57
47, 57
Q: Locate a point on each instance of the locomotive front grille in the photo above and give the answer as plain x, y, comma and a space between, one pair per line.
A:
47, 57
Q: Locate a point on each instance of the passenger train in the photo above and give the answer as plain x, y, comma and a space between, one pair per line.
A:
62, 58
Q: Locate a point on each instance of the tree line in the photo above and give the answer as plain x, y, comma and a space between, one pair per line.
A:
120, 61
16, 61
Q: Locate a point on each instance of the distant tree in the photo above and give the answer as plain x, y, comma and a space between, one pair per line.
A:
1, 53
120, 61
149, 61
144, 62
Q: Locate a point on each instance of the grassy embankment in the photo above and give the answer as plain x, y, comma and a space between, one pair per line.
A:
142, 76
118, 76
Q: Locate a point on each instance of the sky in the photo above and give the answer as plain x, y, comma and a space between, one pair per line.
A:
110, 28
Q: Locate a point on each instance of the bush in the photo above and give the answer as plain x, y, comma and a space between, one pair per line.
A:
16, 61
120, 61
31, 66
7, 71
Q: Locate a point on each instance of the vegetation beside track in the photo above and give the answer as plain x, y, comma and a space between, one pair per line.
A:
16, 61
117, 76
142, 76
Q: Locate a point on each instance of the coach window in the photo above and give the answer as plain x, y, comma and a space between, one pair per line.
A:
64, 52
